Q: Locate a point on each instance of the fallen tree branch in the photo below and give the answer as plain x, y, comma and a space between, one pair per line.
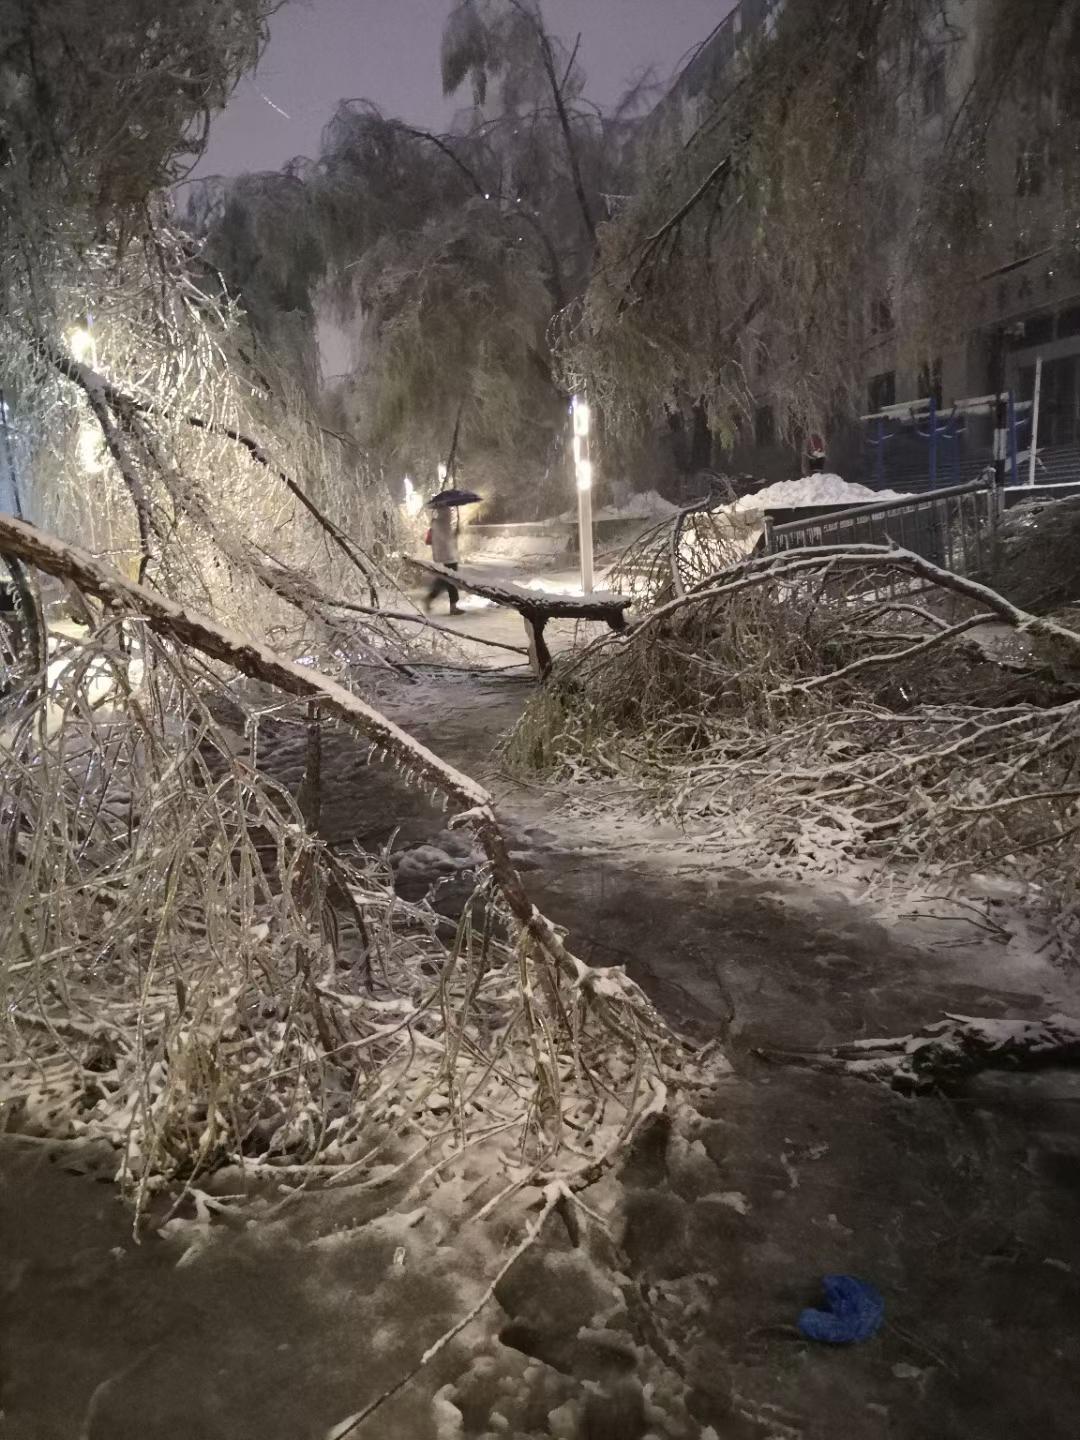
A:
95, 390
425, 620
767, 570
952, 1050
868, 662
293, 586
772, 703
610, 989
103, 398
99, 391
297, 590
259, 455
250, 657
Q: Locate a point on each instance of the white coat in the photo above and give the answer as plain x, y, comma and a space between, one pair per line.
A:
444, 546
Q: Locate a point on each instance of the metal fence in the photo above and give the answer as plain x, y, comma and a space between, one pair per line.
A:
952, 528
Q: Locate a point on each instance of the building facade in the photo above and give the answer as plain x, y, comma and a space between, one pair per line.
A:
1013, 362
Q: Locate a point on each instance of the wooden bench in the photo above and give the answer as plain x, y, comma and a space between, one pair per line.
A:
535, 607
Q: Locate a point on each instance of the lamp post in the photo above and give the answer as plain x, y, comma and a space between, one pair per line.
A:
89, 443
83, 344
583, 473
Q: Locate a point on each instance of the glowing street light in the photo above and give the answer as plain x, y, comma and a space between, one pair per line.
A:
89, 449
88, 444
83, 346
583, 471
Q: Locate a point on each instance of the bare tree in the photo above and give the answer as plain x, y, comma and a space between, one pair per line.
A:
122, 360
444, 256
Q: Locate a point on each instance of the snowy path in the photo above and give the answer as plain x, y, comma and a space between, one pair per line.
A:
962, 1211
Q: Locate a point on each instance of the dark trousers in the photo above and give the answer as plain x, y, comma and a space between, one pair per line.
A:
439, 585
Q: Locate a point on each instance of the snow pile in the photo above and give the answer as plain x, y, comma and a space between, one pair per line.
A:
489, 544
648, 505
814, 490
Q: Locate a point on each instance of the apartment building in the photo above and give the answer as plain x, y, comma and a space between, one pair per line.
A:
1018, 331
1016, 346
708, 73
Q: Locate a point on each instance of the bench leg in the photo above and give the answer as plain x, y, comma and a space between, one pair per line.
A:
539, 654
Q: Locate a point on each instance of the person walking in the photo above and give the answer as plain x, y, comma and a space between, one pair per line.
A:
442, 538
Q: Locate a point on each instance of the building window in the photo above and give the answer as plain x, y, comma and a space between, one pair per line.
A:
881, 316
1059, 414
933, 90
1038, 330
881, 392
930, 382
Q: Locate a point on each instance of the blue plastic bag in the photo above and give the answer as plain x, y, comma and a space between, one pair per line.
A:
856, 1312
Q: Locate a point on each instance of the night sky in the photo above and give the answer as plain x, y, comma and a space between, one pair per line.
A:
387, 51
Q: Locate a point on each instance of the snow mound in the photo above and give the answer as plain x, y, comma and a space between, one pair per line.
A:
649, 505
814, 490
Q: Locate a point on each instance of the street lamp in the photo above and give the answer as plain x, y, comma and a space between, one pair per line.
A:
583, 472
89, 448
83, 345
89, 442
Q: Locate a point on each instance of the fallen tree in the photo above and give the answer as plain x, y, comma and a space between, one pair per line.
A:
257, 661
222, 908
834, 704
1035, 554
